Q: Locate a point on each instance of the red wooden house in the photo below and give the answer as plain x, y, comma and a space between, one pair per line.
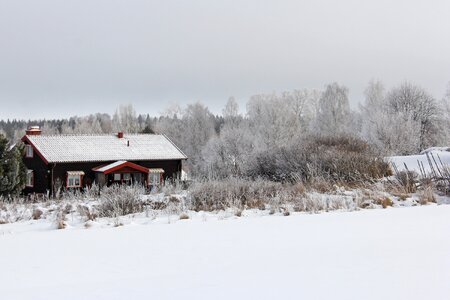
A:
77, 161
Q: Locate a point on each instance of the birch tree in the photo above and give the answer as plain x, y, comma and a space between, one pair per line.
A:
333, 110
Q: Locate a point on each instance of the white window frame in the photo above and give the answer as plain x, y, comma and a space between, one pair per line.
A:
30, 178
29, 152
71, 181
154, 178
115, 175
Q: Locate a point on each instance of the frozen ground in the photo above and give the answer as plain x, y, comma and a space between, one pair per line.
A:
395, 253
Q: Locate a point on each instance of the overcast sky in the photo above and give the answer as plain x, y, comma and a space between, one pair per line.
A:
62, 58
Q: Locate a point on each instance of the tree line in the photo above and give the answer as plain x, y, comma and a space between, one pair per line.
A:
279, 134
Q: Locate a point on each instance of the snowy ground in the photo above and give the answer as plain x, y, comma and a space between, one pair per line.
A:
395, 253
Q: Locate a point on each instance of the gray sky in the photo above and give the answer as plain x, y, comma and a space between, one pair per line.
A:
61, 58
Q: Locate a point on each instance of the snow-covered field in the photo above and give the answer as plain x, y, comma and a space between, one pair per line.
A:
395, 253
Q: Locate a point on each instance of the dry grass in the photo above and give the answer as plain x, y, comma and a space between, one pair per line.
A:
427, 196
385, 202
407, 181
320, 185
184, 216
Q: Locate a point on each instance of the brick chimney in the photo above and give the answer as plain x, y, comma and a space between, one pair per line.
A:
120, 134
33, 130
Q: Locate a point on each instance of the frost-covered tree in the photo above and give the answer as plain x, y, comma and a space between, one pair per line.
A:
333, 110
445, 121
231, 109
373, 114
190, 129
49, 129
230, 153
198, 129
125, 119
275, 120
404, 121
301, 106
413, 104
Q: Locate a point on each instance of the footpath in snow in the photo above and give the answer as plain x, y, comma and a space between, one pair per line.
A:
401, 253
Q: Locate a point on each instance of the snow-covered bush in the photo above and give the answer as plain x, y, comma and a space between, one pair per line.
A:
232, 192
316, 202
120, 200
92, 192
333, 158
86, 212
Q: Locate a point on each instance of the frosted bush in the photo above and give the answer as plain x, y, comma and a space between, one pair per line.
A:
119, 200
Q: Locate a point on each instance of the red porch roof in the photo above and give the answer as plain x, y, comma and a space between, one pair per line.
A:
118, 165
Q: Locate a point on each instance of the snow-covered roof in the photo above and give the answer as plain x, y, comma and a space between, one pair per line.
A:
110, 166
120, 165
85, 148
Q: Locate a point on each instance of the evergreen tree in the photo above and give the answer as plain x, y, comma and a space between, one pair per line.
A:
12, 169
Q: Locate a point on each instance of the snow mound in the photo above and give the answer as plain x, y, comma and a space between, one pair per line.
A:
437, 155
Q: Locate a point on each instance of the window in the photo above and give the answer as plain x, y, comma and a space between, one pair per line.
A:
154, 178
74, 179
28, 151
117, 177
30, 178
126, 176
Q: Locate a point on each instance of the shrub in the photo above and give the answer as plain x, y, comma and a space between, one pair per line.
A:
92, 192
37, 213
427, 195
61, 220
321, 185
68, 208
385, 202
407, 181
120, 200
184, 216
334, 158
232, 192
86, 212
315, 202
286, 212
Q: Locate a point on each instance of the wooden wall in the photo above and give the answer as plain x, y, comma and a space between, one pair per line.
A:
43, 173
